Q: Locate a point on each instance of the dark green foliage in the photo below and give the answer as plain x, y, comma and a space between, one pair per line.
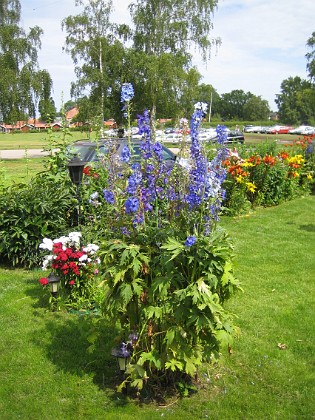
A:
296, 101
30, 212
172, 296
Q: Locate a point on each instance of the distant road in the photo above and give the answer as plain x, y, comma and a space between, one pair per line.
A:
19, 154
35, 153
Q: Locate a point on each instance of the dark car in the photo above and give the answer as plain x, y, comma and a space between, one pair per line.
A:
233, 136
95, 151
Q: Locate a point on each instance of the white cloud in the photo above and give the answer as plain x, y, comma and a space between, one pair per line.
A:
263, 43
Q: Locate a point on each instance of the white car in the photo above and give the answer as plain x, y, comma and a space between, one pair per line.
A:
304, 130
254, 129
173, 138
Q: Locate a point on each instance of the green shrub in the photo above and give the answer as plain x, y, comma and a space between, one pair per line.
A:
28, 213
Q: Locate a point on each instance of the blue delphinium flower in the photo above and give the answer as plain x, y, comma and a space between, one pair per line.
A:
127, 92
125, 154
198, 172
109, 196
158, 150
138, 219
134, 180
125, 231
131, 205
144, 124
190, 241
222, 133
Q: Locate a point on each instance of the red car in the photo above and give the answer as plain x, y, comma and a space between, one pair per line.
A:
279, 129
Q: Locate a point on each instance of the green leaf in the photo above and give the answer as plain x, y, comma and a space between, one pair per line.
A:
154, 312
203, 287
137, 383
119, 276
174, 364
224, 337
174, 247
169, 337
126, 293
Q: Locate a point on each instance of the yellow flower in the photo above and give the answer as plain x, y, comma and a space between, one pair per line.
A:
251, 187
239, 179
309, 176
297, 159
247, 164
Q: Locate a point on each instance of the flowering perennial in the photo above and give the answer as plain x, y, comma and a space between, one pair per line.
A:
75, 264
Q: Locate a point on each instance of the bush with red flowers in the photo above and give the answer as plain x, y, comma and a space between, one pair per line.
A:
76, 266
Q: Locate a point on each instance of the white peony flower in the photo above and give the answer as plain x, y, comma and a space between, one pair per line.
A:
91, 249
46, 244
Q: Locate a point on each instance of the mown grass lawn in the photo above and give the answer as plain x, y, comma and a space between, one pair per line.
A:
47, 372
26, 141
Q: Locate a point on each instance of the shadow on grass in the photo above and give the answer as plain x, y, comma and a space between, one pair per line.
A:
309, 228
79, 344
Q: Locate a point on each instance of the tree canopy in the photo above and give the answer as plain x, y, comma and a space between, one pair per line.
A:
296, 101
310, 56
22, 84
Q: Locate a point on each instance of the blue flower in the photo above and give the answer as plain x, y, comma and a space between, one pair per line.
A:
124, 231
222, 133
125, 154
137, 220
127, 92
109, 196
158, 150
190, 241
144, 124
131, 205
134, 181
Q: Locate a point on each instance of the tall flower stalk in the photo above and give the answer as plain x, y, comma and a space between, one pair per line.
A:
167, 270
127, 93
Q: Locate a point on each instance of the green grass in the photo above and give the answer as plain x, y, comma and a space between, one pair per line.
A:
33, 140
40, 140
46, 371
20, 170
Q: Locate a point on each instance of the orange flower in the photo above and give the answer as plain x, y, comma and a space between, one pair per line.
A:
269, 160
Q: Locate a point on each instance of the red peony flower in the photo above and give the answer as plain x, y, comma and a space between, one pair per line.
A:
43, 281
71, 282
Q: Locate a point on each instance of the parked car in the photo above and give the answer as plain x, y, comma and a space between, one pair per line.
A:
303, 130
247, 128
92, 152
173, 138
253, 129
232, 137
279, 129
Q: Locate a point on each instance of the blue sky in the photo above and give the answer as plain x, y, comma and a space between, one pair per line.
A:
263, 43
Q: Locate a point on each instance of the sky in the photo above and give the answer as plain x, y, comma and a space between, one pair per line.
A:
263, 42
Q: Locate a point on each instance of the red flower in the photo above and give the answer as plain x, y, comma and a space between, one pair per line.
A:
43, 281
71, 282
87, 171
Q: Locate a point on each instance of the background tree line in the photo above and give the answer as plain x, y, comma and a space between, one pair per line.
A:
153, 55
